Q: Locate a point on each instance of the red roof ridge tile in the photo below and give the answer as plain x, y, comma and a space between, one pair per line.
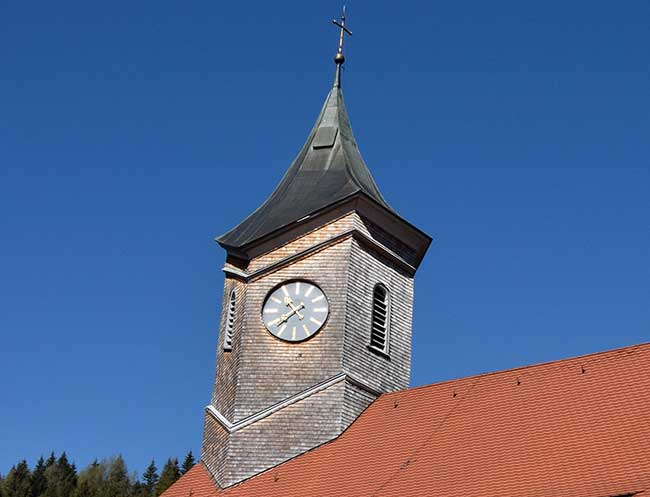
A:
590, 358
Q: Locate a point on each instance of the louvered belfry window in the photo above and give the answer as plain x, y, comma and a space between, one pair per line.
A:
230, 322
380, 319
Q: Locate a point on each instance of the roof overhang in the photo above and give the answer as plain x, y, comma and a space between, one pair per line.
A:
367, 208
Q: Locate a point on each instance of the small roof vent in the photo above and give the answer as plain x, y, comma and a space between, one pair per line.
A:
325, 136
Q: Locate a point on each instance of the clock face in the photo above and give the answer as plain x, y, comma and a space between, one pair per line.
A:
295, 310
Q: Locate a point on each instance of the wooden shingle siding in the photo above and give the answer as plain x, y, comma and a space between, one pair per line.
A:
261, 370
386, 374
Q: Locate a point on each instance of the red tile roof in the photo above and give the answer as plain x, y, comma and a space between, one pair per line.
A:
195, 483
573, 428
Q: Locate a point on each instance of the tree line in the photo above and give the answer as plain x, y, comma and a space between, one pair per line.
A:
57, 477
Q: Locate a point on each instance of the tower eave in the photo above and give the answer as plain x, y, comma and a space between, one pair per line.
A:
365, 205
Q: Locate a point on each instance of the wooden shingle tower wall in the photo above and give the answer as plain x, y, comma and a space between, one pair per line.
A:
287, 384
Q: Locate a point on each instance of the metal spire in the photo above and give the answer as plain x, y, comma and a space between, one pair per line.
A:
339, 59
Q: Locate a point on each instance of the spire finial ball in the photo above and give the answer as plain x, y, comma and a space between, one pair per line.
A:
339, 58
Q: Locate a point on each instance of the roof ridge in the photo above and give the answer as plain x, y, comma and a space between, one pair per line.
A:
596, 356
345, 128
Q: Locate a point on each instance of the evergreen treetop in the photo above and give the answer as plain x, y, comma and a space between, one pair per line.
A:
61, 478
18, 482
188, 463
50, 460
117, 482
91, 480
170, 473
39, 480
58, 477
150, 477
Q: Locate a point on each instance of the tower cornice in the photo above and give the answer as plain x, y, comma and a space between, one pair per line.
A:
359, 235
363, 204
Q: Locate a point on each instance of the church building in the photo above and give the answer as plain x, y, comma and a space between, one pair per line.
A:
311, 395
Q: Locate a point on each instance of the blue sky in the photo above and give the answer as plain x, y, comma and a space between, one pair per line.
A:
132, 133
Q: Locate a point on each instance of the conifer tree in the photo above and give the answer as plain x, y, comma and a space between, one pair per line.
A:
90, 480
50, 460
139, 489
18, 482
150, 477
61, 478
170, 473
188, 463
39, 482
117, 483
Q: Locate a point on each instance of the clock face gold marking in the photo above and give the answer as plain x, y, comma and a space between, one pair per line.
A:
295, 306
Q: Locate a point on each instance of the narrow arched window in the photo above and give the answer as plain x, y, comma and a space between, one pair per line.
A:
230, 321
380, 328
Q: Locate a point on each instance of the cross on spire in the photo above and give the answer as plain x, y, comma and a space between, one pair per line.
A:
339, 58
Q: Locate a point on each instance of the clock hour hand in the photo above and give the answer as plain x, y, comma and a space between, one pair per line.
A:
294, 310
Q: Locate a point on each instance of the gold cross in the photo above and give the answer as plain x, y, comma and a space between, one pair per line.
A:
339, 56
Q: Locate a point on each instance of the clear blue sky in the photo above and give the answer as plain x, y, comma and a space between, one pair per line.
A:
131, 133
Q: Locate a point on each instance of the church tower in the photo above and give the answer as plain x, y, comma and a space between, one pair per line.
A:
317, 306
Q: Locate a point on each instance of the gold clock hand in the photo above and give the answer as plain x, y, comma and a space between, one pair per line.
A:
284, 318
296, 309
289, 303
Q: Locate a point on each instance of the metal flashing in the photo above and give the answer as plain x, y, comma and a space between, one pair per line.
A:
232, 427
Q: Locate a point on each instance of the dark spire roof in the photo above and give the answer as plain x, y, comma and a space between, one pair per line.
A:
328, 169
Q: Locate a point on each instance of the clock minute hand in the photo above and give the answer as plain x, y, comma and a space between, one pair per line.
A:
296, 309
284, 318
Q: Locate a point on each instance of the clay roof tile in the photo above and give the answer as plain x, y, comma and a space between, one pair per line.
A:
573, 428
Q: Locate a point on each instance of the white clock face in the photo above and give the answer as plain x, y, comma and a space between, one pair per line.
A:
295, 310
